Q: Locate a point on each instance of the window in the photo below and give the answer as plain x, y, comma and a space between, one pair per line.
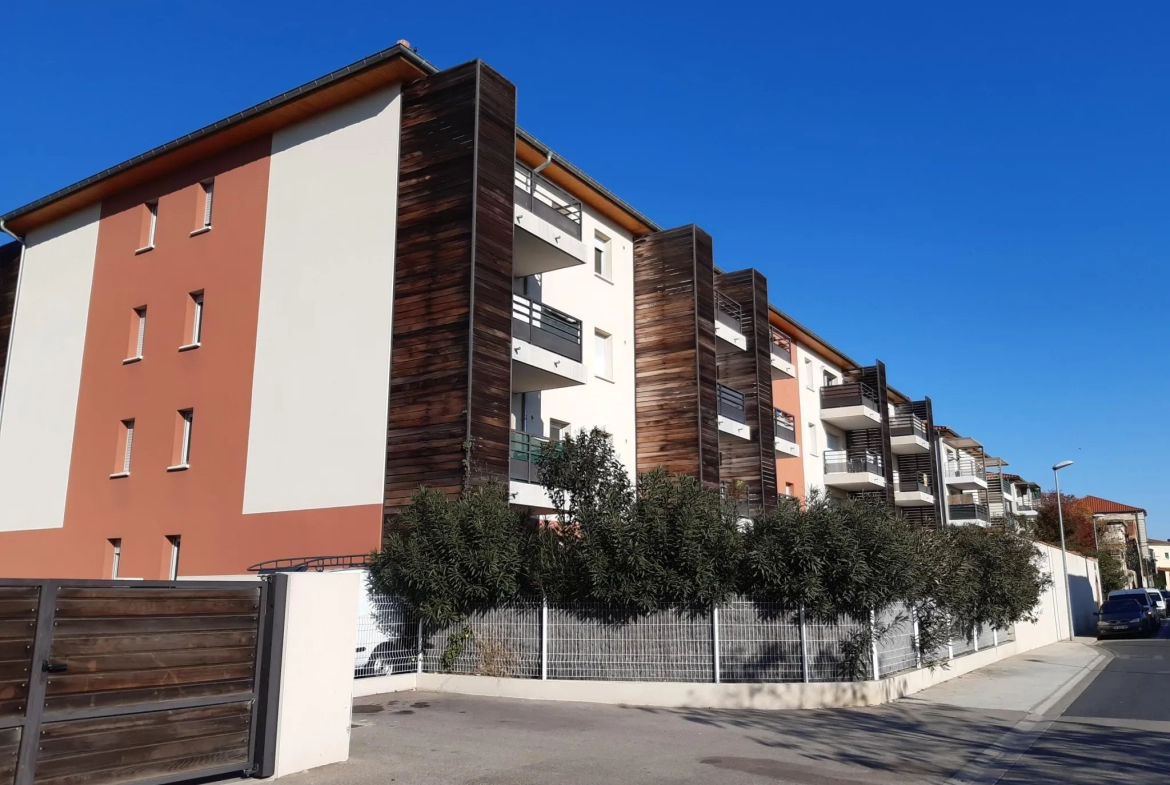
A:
149, 224
174, 540
789, 489
193, 335
809, 382
124, 449
813, 448
116, 562
137, 335
181, 455
557, 430
603, 355
203, 217
602, 265
828, 379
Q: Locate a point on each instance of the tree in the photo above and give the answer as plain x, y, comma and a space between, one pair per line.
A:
1078, 522
1111, 567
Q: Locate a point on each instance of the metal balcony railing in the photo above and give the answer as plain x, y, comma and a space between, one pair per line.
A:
849, 394
731, 404
915, 482
729, 312
781, 344
907, 424
525, 449
838, 461
968, 511
1027, 503
546, 327
544, 199
785, 426
966, 467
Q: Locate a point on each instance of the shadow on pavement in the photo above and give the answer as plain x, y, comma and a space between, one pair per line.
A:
1073, 753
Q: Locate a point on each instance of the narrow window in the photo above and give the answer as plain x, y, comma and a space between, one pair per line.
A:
813, 449
149, 223
601, 256
137, 335
789, 489
558, 430
208, 189
116, 554
809, 382
829, 379
174, 540
181, 454
123, 449
193, 334
603, 355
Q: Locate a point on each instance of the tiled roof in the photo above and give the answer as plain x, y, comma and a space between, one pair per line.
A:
1099, 505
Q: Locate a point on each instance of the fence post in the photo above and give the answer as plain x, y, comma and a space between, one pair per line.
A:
804, 647
420, 646
715, 638
917, 642
994, 638
975, 637
873, 650
950, 649
544, 638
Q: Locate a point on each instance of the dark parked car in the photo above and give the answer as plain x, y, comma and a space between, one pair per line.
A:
1125, 617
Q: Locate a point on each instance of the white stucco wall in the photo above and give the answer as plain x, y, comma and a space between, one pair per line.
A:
319, 392
44, 371
609, 307
811, 366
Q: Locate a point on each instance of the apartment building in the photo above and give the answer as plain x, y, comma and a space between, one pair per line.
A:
1131, 521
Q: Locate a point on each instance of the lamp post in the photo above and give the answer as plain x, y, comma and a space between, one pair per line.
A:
1063, 551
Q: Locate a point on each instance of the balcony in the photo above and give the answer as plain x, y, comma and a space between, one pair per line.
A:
523, 472
782, 367
912, 490
908, 435
966, 509
786, 445
854, 471
1027, 507
551, 224
851, 406
546, 347
966, 474
733, 413
729, 321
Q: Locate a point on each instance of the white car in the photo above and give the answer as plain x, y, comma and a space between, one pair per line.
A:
384, 645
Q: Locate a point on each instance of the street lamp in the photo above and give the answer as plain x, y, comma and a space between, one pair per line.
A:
1063, 552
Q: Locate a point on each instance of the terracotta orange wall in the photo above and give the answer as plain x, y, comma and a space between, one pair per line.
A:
786, 396
204, 503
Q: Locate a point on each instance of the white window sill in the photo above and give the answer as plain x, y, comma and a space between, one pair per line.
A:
603, 278
131, 360
189, 346
117, 475
182, 467
201, 230
144, 249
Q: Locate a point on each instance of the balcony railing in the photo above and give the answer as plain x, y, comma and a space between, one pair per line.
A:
907, 424
849, 394
525, 449
1027, 503
729, 312
785, 426
546, 327
731, 405
781, 344
838, 461
966, 467
964, 507
915, 482
544, 199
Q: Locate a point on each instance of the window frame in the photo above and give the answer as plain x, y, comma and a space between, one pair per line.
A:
603, 245
603, 340
176, 542
204, 208
194, 321
182, 447
125, 449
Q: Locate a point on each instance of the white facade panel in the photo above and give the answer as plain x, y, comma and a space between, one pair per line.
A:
44, 371
321, 381
810, 372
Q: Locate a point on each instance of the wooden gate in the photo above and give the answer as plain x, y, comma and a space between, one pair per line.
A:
111, 682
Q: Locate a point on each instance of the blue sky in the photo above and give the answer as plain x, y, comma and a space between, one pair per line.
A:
975, 196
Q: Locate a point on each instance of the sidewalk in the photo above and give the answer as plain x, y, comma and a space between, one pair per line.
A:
1021, 683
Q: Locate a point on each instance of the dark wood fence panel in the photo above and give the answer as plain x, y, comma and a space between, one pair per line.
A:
450, 361
751, 462
674, 353
9, 747
18, 624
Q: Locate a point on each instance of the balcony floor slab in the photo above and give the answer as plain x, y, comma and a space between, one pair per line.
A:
536, 368
855, 481
909, 445
733, 428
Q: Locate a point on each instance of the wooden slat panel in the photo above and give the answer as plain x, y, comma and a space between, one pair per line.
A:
163, 768
71, 647
68, 683
148, 625
15, 669
674, 353
175, 658
450, 367
18, 612
102, 700
93, 608
9, 746
17, 629
119, 757
111, 593
19, 592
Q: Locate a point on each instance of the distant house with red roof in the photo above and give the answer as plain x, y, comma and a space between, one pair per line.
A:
1131, 520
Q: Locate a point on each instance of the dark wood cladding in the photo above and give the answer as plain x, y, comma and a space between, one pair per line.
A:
675, 366
9, 746
18, 623
450, 362
925, 411
9, 272
751, 462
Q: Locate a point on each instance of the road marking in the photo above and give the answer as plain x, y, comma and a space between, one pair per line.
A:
1089, 670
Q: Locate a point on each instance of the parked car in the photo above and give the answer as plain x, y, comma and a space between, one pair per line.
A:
1166, 598
1124, 616
1144, 598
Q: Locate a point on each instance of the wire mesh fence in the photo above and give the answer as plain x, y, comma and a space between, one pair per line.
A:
744, 641
986, 637
1007, 635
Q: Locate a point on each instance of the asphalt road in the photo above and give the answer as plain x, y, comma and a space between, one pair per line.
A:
1113, 727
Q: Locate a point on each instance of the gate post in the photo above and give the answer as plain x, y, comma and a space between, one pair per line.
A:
419, 667
917, 642
803, 648
873, 650
715, 639
543, 638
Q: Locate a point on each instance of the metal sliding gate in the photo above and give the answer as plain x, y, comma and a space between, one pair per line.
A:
136, 682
